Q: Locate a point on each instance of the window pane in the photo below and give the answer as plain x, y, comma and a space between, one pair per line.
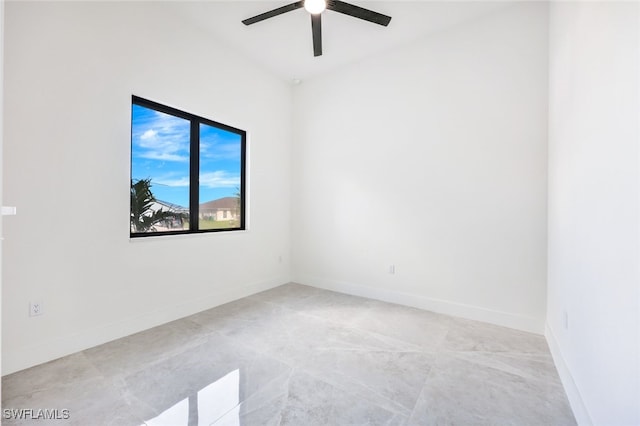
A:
220, 169
159, 171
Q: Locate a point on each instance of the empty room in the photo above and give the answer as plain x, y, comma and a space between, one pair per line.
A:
320, 212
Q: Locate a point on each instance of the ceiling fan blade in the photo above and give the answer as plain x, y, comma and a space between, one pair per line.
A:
358, 12
274, 12
316, 29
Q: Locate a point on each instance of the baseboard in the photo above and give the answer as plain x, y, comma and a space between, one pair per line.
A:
505, 319
580, 411
29, 356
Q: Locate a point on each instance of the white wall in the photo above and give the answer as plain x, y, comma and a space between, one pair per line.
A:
1, 145
593, 208
71, 68
431, 158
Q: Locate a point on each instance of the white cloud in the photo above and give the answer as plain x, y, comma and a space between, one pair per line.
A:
173, 182
149, 134
165, 138
219, 179
228, 151
164, 156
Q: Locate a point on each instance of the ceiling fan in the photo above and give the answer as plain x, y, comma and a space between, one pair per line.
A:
315, 8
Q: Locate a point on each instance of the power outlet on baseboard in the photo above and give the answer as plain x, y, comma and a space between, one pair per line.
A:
35, 309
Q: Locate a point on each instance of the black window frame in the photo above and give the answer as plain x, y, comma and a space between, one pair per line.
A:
194, 168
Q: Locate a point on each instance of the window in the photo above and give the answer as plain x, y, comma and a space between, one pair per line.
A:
187, 172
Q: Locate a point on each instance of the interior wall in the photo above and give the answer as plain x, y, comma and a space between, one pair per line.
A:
1, 150
70, 71
594, 235
431, 158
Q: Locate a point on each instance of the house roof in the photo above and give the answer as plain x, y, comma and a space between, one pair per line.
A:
226, 203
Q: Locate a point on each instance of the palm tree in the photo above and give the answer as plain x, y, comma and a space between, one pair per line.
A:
143, 218
238, 196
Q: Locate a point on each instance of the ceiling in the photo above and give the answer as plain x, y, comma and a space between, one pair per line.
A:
283, 44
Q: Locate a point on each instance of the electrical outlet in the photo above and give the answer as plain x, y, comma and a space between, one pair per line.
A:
35, 309
392, 269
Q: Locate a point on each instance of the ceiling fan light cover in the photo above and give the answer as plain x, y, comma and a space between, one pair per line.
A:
315, 6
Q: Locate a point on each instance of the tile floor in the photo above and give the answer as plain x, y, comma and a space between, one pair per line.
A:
297, 355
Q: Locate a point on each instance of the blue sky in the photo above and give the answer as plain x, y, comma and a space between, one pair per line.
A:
160, 151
